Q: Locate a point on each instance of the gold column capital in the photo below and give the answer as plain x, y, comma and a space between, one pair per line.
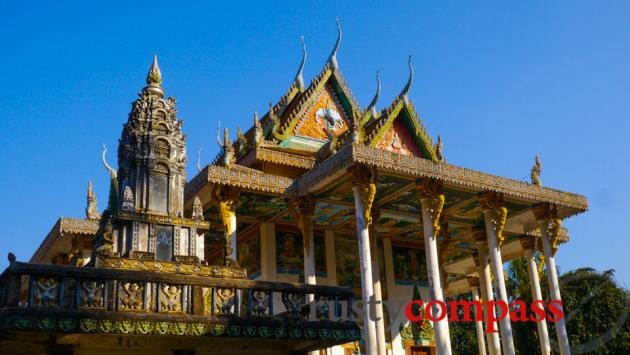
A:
432, 189
493, 202
548, 215
429, 188
365, 178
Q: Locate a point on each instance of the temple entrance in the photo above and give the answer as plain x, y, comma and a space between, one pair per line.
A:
419, 350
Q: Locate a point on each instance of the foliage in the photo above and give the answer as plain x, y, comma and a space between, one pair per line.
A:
596, 311
463, 334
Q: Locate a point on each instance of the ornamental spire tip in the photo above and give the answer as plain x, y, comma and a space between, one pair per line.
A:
333, 55
154, 79
298, 77
405, 91
372, 106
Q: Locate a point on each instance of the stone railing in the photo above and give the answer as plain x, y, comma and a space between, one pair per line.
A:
66, 299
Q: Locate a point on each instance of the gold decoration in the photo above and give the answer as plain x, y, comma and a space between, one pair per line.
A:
432, 189
554, 234
364, 177
493, 201
172, 267
172, 220
227, 198
131, 296
170, 298
324, 119
541, 264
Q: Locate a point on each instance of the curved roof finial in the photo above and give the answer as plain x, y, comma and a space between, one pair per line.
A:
372, 106
111, 170
154, 78
333, 56
298, 77
405, 90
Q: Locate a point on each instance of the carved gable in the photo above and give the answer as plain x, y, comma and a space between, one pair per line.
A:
398, 139
327, 113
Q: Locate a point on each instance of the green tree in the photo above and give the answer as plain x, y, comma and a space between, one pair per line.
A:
463, 334
596, 311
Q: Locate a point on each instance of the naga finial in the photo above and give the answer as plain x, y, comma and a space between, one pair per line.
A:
405, 92
298, 77
333, 55
111, 170
258, 131
536, 170
229, 156
199, 160
243, 143
372, 106
219, 136
91, 210
439, 146
154, 79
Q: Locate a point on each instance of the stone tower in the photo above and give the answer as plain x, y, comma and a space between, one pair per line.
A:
146, 202
152, 153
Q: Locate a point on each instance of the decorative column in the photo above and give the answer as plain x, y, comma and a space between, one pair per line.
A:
550, 226
227, 199
376, 277
495, 215
485, 285
302, 210
474, 289
528, 244
432, 201
364, 181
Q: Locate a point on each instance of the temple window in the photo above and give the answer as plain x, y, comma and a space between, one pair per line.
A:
162, 148
161, 129
163, 243
158, 197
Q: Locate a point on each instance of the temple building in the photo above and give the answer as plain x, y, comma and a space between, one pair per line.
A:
319, 205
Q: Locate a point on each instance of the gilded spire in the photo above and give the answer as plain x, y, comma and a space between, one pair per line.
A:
299, 80
405, 92
333, 55
372, 106
154, 79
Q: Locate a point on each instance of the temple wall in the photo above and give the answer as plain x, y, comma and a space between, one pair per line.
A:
393, 291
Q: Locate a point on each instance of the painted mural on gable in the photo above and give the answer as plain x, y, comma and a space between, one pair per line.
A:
398, 139
326, 115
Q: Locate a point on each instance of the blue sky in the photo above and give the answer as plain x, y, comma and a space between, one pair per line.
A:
501, 82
